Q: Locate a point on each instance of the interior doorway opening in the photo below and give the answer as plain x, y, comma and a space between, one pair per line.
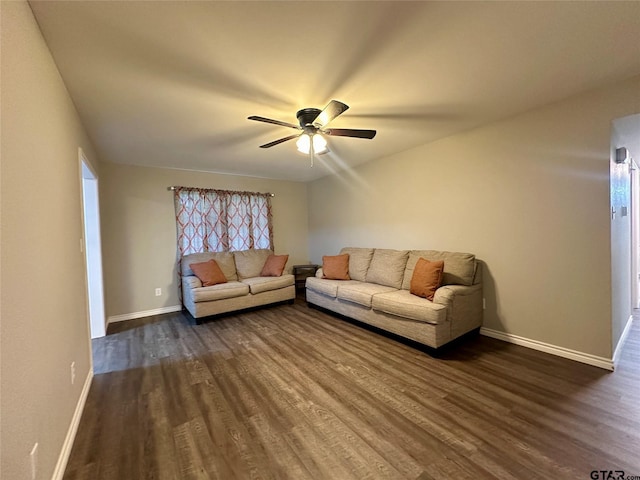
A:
625, 228
93, 249
635, 233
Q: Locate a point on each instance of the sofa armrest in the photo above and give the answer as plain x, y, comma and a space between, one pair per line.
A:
464, 307
191, 282
445, 295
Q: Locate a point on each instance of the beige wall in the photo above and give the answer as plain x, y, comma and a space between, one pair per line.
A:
139, 229
43, 307
528, 195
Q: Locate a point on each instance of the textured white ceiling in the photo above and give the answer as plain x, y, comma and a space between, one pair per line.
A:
171, 84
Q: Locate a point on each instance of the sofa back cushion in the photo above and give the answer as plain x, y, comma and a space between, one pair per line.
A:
459, 268
249, 263
223, 259
387, 267
359, 261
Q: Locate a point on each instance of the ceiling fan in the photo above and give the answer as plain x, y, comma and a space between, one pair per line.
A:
313, 122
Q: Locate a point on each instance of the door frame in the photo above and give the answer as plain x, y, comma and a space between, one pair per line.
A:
635, 233
92, 247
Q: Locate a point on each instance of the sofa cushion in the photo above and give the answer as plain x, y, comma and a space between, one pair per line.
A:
249, 263
264, 284
208, 272
426, 278
361, 292
403, 304
223, 259
274, 266
336, 267
359, 260
220, 291
325, 286
459, 268
387, 267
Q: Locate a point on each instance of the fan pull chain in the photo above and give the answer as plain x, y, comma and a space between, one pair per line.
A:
311, 153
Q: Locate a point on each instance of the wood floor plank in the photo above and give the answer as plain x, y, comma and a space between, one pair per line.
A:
295, 393
157, 436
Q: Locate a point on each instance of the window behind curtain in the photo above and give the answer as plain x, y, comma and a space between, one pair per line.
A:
220, 220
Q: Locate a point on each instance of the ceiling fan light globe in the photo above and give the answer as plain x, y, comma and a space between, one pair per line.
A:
319, 144
304, 143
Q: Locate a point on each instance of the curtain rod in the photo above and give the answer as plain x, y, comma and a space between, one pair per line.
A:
173, 187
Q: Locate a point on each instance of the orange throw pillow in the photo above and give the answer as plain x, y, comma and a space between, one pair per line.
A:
336, 267
274, 266
209, 273
426, 278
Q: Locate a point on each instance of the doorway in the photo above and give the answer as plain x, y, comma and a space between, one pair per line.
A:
625, 227
635, 234
92, 248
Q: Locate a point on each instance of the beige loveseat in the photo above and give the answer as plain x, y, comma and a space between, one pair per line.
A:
378, 294
245, 288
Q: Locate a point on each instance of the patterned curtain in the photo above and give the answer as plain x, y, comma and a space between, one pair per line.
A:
221, 220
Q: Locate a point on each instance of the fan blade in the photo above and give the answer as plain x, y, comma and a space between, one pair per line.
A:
331, 111
275, 122
350, 132
276, 142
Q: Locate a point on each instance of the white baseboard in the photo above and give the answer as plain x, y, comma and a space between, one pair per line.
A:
145, 313
623, 338
63, 458
587, 358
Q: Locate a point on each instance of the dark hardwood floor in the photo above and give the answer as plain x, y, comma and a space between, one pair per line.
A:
293, 393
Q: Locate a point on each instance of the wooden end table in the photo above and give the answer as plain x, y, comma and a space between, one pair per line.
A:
301, 273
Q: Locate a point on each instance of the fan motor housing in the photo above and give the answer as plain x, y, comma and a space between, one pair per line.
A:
306, 116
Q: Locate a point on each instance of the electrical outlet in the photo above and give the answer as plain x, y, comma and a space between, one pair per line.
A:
158, 292
73, 372
34, 462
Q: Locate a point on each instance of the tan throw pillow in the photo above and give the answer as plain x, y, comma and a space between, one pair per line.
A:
209, 273
336, 267
426, 278
274, 266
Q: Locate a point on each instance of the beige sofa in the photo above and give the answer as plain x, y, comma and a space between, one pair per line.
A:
245, 288
378, 294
